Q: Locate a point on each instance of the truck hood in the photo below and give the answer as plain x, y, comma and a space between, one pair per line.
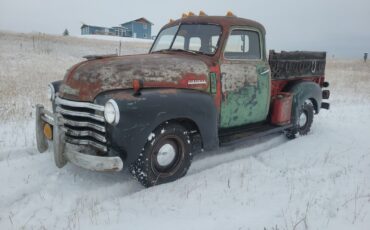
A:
84, 81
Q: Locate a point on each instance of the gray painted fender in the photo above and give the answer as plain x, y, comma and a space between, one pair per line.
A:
56, 85
141, 114
302, 91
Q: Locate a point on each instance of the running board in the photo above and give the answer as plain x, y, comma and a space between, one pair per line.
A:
231, 138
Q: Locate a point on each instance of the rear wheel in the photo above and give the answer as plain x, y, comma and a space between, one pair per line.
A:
165, 157
303, 121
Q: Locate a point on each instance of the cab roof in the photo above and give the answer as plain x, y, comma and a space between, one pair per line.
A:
225, 21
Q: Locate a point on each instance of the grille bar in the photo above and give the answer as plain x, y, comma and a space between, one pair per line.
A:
84, 124
86, 142
80, 114
60, 101
85, 133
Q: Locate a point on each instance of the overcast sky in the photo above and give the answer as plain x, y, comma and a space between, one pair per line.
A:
341, 27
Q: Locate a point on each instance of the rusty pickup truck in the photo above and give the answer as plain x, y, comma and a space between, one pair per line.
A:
206, 82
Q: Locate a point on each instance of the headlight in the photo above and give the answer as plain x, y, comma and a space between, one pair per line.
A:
111, 112
51, 92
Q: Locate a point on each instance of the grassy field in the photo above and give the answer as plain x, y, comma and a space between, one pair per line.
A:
349, 81
28, 62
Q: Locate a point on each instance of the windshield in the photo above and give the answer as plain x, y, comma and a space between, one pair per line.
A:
198, 38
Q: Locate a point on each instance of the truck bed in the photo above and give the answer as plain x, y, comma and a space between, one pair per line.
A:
296, 64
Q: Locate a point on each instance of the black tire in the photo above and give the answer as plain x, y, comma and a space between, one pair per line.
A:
168, 139
303, 121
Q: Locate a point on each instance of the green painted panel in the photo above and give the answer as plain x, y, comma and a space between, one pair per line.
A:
247, 101
213, 81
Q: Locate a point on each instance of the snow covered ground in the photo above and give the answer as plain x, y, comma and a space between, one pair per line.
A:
115, 38
320, 181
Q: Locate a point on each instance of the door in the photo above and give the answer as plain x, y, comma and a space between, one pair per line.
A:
245, 80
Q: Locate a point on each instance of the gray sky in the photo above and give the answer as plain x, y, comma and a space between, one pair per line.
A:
340, 27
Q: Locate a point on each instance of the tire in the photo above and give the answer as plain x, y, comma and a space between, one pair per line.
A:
165, 157
303, 121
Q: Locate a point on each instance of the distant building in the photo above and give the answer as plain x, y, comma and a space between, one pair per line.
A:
89, 29
139, 28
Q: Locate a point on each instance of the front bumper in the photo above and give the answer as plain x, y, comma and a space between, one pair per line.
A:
62, 152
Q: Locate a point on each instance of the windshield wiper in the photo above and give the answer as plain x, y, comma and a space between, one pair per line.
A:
192, 51
182, 50
160, 51
200, 52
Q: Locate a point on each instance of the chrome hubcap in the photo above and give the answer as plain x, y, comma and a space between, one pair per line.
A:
166, 155
302, 119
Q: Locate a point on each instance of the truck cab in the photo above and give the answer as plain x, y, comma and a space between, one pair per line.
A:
236, 60
206, 82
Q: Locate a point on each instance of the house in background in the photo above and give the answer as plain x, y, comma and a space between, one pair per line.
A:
89, 29
120, 31
139, 28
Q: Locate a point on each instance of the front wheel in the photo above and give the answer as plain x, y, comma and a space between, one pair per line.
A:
166, 156
303, 121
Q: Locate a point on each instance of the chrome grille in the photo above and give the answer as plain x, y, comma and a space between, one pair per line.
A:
83, 123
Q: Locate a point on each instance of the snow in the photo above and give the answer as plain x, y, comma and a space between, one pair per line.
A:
319, 181
151, 136
115, 38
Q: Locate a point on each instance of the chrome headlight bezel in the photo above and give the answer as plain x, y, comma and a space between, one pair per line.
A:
111, 112
51, 92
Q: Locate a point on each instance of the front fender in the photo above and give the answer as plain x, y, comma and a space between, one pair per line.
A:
56, 85
141, 114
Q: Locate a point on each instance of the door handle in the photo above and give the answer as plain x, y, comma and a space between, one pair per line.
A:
265, 71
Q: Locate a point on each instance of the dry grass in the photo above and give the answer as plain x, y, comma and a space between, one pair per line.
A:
349, 81
28, 62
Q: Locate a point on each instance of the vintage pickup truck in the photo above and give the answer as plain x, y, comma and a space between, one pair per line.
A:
206, 82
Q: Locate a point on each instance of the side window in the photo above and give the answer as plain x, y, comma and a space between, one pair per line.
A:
195, 43
179, 43
243, 44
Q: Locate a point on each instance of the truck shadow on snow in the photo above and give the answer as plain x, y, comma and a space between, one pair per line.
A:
202, 161
249, 148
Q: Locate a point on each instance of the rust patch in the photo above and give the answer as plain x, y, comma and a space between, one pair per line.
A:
155, 70
125, 96
168, 91
237, 76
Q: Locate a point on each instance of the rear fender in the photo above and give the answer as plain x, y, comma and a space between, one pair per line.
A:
303, 91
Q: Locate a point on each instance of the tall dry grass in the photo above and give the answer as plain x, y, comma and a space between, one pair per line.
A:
349, 81
28, 62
